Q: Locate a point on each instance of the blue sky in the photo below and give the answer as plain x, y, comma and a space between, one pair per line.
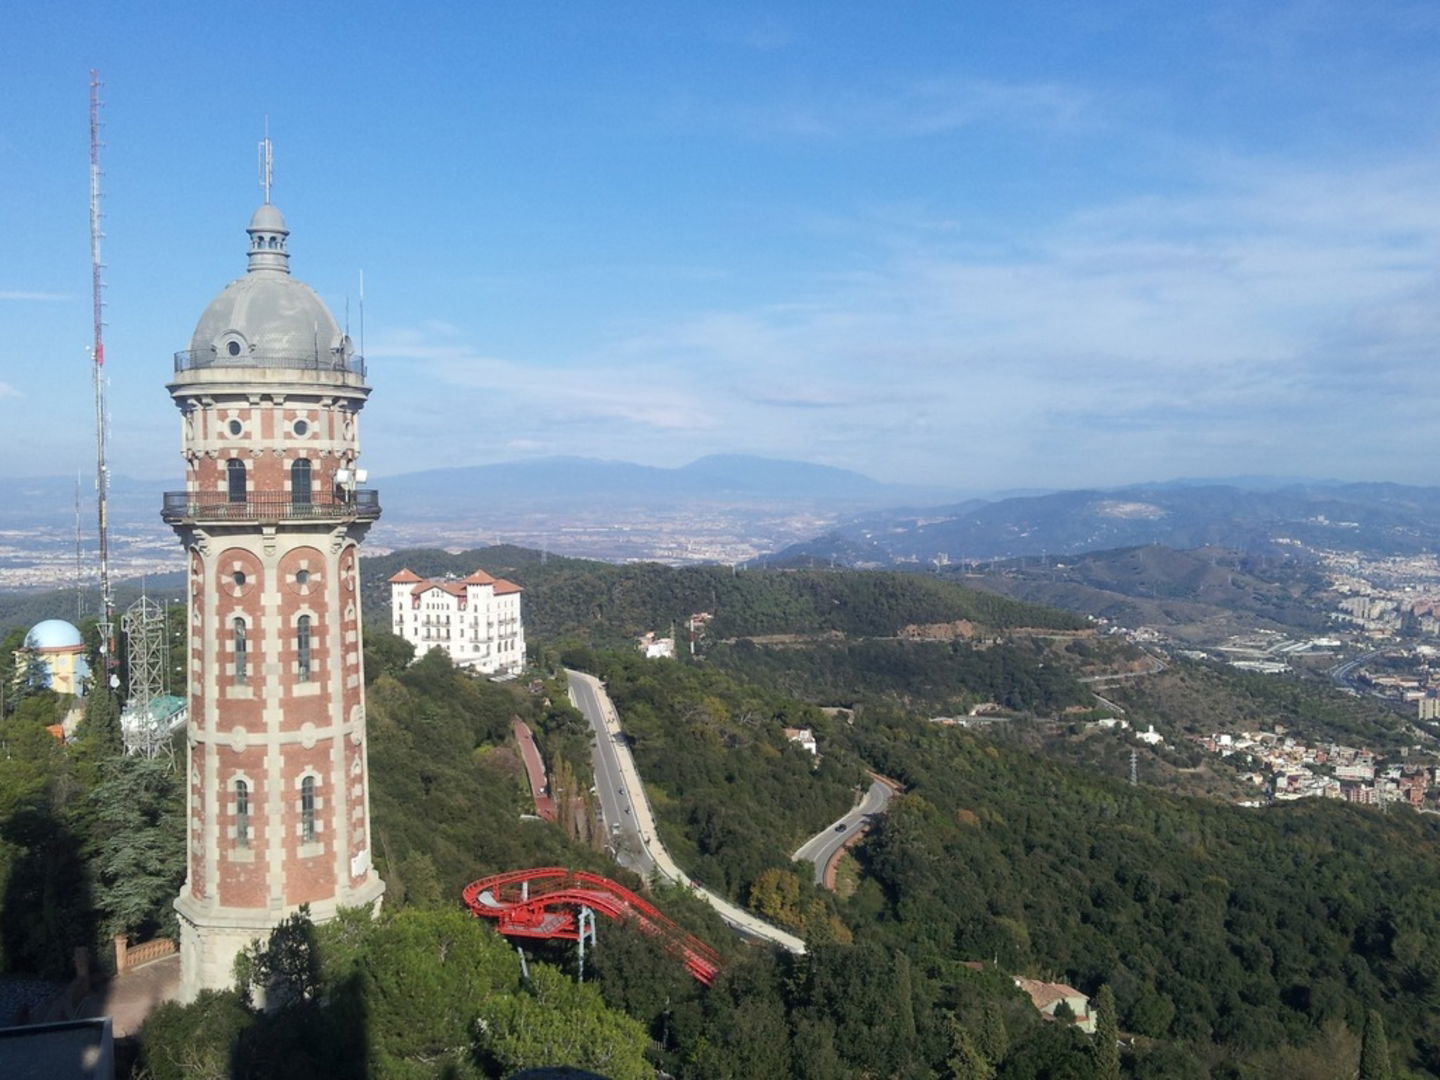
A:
981, 245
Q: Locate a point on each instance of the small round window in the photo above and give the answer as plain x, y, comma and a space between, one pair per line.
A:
236, 427
302, 427
238, 577
233, 348
302, 577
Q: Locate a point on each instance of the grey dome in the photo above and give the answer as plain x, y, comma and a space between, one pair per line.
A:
267, 317
268, 218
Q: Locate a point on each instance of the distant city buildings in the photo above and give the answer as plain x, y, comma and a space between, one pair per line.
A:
1292, 769
475, 620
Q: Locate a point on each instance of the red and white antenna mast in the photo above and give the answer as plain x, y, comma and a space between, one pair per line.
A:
102, 472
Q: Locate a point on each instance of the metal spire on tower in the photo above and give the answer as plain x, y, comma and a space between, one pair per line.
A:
267, 162
102, 475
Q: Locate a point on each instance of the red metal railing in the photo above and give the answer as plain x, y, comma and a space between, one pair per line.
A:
542, 903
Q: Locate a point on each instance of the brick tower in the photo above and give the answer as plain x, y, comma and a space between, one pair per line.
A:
269, 394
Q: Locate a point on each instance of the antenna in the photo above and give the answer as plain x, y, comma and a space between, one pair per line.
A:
102, 474
267, 162
362, 313
79, 558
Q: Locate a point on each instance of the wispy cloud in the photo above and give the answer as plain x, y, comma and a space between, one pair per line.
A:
1265, 316
19, 294
913, 109
9, 391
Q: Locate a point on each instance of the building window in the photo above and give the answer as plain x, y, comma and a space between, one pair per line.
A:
302, 648
242, 657
242, 814
235, 479
300, 482
307, 809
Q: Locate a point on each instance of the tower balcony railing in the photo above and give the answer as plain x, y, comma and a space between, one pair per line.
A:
314, 360
185, 507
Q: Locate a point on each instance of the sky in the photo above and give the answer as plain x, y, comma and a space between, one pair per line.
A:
978, 245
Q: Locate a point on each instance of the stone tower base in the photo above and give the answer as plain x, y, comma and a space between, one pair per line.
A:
211, 938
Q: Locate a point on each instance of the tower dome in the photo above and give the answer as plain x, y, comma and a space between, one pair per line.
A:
53, 634
267, 318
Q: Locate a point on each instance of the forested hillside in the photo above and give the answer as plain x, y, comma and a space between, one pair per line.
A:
598, 601
1235, 943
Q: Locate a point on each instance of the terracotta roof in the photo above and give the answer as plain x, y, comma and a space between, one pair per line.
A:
405, 577
503, 587
1046, 993
479, 577
454, 588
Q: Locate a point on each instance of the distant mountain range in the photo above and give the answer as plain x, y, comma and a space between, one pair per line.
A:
882, 524
1375, 518
717, 478
550, 483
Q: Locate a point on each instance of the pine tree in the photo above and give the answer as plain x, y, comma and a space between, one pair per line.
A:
905, 1002
138, 847
965, 1062
994, 1040
1374, 1049
1107, 1036
100, 729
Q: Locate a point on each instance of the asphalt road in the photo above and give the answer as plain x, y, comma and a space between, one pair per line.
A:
616, 765
619, 821
821, 847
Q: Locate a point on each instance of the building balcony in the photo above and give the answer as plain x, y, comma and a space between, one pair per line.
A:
191, 508
316, 360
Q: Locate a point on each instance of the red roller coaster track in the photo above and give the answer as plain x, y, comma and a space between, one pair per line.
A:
542, 903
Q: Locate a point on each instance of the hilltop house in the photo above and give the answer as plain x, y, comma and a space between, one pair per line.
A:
476, 620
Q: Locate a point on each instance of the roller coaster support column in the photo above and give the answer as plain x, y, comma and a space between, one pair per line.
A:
585, 924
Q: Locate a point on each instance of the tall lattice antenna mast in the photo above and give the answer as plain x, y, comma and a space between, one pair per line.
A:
79, 556
102, 476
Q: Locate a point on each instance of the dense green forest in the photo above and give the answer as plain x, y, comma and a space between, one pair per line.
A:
936, 675
1241, 938
585, 600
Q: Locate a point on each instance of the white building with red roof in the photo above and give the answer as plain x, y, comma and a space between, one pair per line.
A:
476, 619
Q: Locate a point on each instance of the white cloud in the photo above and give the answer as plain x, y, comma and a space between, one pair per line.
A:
919, 108
1272, 319
19, 294
9, 391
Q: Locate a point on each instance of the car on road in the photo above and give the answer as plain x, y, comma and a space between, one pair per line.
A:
840, 827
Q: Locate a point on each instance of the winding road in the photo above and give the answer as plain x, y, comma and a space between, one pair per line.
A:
821, 848
627, 814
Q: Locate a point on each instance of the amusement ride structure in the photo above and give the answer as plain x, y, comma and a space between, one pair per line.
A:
553, 902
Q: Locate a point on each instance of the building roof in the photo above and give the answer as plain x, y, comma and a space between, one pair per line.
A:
53, 634
1045, 994
268, 317
503, 587
479, 577
405, 577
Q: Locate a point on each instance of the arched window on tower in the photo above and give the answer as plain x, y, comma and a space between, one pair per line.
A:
300, 482
307, 809
302, 648
235, 479
242, 814
242, 652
